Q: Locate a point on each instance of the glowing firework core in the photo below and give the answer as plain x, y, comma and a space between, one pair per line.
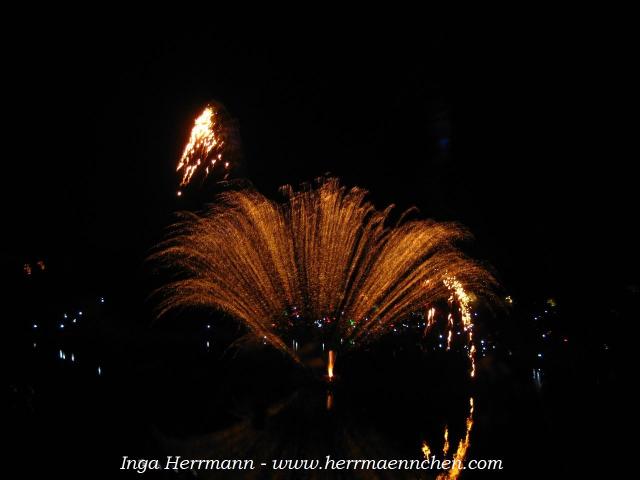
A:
330, 363
205, 146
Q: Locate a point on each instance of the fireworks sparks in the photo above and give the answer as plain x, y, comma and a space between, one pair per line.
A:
324, 255
460, 296
207, 145
460, 299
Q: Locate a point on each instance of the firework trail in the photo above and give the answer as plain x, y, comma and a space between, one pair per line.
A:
210, 145
324, 256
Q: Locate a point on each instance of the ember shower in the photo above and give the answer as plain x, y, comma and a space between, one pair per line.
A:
325, 260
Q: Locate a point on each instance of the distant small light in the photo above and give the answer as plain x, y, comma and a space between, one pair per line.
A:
101, 299
35, 344
208, 326
73, 357
74, 320
179, 193
544, 335
61, 325
207, 343
539, 355
99, 371
65, 316
80, 313
35, 325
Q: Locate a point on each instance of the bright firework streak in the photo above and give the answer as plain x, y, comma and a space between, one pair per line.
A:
459, 294
205, 147
431, 313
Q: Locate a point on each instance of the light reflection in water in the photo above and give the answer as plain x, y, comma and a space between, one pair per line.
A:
445, 447
329, 400
426, 451
537, 378
461, 452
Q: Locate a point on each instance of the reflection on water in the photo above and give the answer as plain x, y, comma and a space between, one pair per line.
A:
461, 452
329, 400
309, 424
537, 378
445, 448
426, 451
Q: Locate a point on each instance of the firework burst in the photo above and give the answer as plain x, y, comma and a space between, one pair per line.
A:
324, 259
209, 146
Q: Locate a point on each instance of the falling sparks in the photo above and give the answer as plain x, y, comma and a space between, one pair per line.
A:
460, 295
206, 146
431, 313
325, 254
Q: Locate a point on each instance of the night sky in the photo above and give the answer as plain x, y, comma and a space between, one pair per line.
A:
513, 131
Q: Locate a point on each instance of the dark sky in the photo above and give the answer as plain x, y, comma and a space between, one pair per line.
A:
514, 131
